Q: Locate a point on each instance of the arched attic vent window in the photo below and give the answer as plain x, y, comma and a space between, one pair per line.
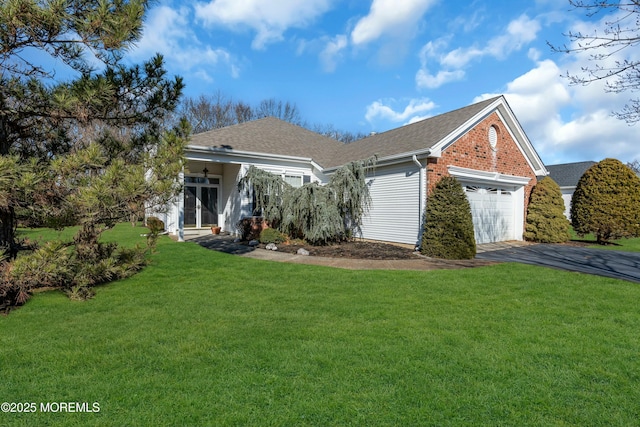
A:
493, 137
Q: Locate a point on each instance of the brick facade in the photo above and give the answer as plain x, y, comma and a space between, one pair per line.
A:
473, 151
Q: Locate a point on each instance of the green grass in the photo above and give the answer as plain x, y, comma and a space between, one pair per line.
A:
628, 245
122, 233
204, 338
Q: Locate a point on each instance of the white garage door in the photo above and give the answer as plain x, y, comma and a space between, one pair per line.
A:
492, 209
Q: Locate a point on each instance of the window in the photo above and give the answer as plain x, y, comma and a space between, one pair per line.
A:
487, 190
293, 180
493, 137
201, 180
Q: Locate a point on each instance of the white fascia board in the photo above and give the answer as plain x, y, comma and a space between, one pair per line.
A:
394, 159
524, 144
487, 177
234, 156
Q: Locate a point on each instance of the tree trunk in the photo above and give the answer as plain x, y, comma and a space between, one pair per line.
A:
8, 246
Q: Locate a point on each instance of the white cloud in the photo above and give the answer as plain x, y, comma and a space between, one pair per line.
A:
332, 52
518, 33
424, 78
389, 17
168, 31
569, 123
414, 111
269, 19
429, 81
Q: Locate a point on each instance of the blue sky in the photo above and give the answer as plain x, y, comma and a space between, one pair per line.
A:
373, 65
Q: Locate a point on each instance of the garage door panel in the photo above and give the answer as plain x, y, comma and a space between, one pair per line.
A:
492, 213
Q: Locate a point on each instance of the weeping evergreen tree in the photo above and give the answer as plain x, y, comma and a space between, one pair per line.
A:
268, 191
316, 213
310, 212
352, 193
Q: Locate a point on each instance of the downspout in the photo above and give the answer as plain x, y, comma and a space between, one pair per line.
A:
421, 195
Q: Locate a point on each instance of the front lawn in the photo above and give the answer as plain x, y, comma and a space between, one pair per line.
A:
628, 245
203, 338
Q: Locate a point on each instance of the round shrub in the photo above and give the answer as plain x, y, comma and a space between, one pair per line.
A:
448, 225
607, 202
546, 222
271, 235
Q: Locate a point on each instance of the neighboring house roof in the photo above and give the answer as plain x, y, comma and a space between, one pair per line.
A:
426, 137
568, 174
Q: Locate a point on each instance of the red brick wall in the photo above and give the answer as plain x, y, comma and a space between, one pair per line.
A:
473, 151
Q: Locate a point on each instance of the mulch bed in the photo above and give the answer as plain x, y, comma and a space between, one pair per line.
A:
370, 250
352, 250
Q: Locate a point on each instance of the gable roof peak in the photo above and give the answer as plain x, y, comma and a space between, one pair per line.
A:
411, 138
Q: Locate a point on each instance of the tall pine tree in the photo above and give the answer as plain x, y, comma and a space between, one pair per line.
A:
90, 150
119, 109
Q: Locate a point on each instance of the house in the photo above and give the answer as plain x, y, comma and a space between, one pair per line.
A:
567, 175
483, 145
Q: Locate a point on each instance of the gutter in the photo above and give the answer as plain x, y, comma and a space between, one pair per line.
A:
251, 155
395, 158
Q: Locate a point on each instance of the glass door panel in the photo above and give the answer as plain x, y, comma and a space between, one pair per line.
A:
190, 206
209, 206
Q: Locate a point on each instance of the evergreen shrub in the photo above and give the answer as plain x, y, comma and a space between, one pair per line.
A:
607, 202
448, 226
546, 222
271, 235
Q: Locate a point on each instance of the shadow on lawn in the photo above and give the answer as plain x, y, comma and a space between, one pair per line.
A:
223, 243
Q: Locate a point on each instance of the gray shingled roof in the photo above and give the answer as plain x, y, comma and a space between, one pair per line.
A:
274, 136
410, 138
270, 136
568, 174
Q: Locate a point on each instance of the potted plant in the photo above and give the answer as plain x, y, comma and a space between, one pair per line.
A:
215, 229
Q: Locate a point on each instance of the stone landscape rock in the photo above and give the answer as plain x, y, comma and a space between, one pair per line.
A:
254, 243
303, 251
271, 247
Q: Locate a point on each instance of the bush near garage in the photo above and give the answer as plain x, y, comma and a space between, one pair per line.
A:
546, 222
448, 225
607, 202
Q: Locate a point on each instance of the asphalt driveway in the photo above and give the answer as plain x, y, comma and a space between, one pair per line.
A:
601, 262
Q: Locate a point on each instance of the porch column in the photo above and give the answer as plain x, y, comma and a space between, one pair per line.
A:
181, 207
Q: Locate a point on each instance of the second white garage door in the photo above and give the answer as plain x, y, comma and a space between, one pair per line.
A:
492, 209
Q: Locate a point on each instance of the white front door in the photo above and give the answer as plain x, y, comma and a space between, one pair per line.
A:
200, 205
